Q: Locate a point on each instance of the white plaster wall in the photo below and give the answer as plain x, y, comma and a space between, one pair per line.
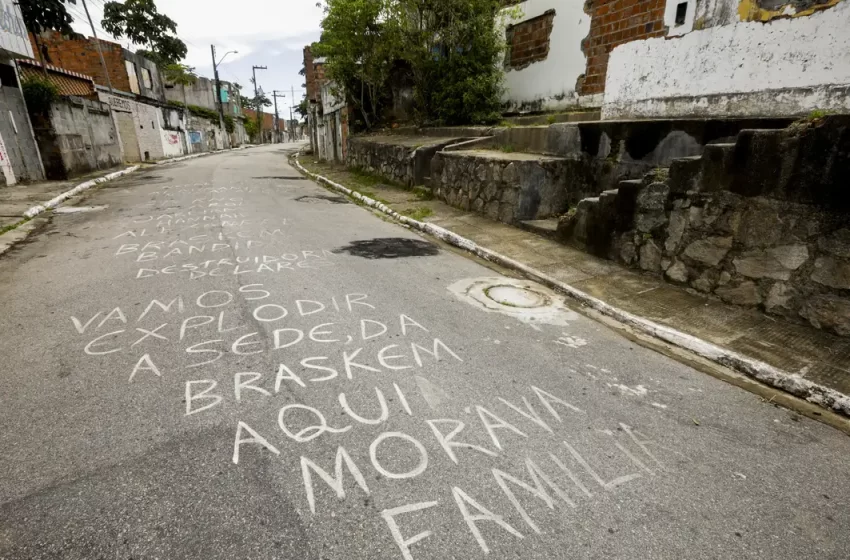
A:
173, 138
13, 33
784, 67
148, 130
552, 82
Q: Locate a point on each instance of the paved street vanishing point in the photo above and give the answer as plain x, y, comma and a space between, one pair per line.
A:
220, 359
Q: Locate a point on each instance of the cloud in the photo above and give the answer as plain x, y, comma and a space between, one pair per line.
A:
268, 33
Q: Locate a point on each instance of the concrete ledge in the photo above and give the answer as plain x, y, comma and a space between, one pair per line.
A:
56, 201
792, 383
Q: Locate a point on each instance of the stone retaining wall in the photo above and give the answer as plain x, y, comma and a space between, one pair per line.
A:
764, 222
405, 160
505, 187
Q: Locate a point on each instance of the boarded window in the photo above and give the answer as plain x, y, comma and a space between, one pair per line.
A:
146, 78
528, 41
131, 75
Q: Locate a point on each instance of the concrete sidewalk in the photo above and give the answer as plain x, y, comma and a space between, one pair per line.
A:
803, 351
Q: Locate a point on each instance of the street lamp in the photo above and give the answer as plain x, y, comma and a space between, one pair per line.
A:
222, 58
218, 90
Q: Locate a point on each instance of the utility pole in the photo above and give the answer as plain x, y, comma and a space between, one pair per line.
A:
218, 95
292, 131
275, 94
99, 51
257, 100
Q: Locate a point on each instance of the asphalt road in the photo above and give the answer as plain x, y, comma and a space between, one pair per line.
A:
228, 361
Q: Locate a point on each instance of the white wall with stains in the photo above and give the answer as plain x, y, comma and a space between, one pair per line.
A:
550, 84
787, 66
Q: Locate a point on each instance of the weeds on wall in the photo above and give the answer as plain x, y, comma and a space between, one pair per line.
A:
39, 94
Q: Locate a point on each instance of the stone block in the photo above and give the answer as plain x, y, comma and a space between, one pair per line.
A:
510, 175
492, 209
478, 205
760, 227
779, 299
506, 213
653, 197
828, 312
646, 222
832, 272
510, 194
776, 263
677, 272
695, 216
684, 174
745, 293
709, 251
675, 229
706, 281
837, 243
650, 257
628, 251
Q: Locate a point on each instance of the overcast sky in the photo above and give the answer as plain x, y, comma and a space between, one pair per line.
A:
265, 32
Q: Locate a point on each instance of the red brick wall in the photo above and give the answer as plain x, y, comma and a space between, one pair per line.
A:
268, 119
614, 22
315, 76
80, 55
528, 41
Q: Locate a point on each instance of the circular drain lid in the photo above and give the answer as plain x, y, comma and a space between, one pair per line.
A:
515, 296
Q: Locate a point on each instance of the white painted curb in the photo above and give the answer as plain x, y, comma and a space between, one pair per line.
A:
52, 203
791, 383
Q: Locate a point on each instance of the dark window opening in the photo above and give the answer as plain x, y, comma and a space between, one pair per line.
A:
681, 12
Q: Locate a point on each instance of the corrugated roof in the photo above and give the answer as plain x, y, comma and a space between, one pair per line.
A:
68, 82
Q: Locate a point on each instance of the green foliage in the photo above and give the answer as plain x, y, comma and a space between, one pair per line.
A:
140, 22
817, 114
39, 94
449, 49
252, 128
303, 107
203, 112
419, 213
229, 124
179, 74
43, 15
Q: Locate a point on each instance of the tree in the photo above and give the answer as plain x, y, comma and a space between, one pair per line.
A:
46, 15
141, 23
359, 54
302, 108
448, 49
180, 74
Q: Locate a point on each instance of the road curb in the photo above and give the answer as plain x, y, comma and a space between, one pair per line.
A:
56, 201
761, 371
52, 203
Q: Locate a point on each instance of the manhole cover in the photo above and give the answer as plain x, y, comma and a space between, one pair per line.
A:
522, 299
516, 297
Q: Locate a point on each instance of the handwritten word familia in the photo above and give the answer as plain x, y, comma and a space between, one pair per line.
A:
559, 474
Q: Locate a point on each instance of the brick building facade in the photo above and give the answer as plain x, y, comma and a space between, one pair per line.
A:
528, 41
613, 23
314, 73
81, 56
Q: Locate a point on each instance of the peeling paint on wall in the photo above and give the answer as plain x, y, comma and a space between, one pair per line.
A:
766, 10
785, 67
